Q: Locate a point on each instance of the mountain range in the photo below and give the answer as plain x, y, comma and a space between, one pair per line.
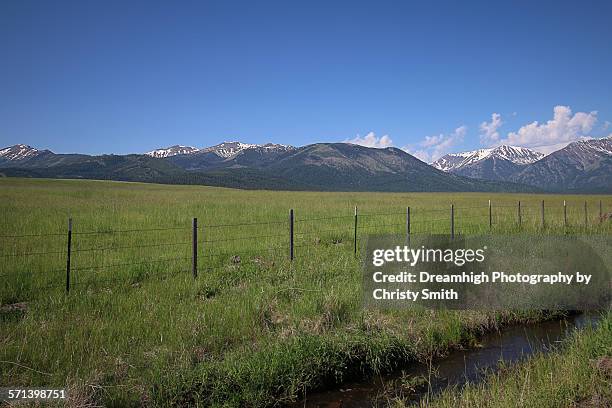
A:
581, 166
321, 166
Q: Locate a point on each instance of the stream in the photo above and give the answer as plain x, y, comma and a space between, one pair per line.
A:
512, 344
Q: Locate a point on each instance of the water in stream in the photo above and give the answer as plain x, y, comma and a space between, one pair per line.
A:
511, 345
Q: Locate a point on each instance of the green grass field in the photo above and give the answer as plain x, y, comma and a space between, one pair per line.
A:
253, 329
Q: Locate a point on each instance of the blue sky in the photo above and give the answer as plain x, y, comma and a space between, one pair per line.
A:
123, 77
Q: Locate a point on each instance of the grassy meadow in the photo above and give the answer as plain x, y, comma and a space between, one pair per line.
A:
253, 329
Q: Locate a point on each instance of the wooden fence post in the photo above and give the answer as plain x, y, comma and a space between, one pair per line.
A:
543, 222
490, 216
68, 255
194, 241
520, 220
600, 213
564, 214
452, 221
291, 234
355, 238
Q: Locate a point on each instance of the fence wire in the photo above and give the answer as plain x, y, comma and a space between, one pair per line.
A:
215, 250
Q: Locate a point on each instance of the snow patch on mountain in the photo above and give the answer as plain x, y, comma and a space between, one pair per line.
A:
229, 149
224, 150
19, 152
603, 145
172, 151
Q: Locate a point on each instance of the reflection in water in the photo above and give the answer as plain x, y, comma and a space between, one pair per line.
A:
510, 345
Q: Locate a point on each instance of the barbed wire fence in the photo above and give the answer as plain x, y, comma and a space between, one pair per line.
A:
203, 248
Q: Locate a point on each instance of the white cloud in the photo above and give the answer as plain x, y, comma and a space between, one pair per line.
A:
371, 140
558, 132
488, 130
432, 148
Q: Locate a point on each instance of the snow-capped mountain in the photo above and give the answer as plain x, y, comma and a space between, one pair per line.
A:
230, 154
19, 152
229, 149
514, 154
498, 163
172, 151
224, 150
